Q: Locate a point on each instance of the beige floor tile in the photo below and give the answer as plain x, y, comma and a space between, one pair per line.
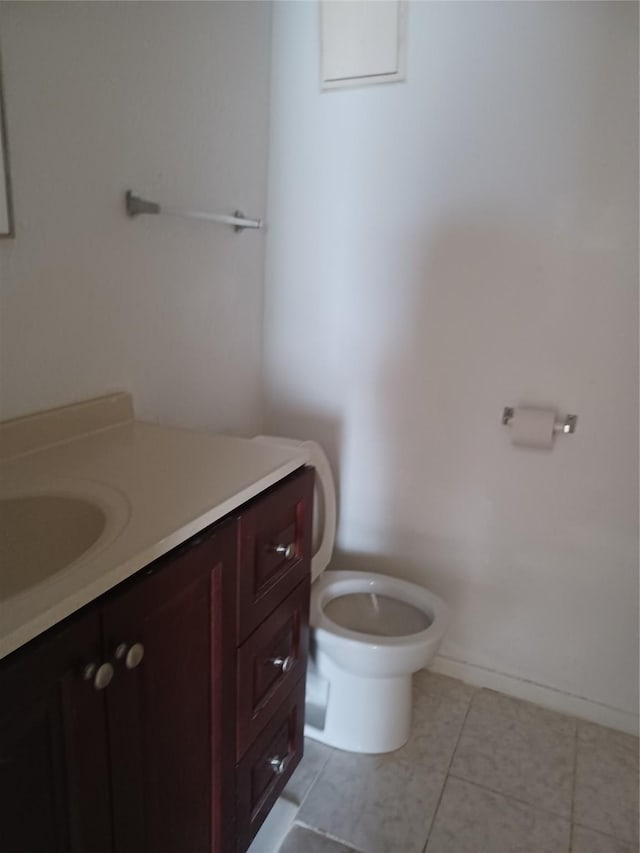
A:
606, 795
519, 750
385, 803
302, 840
440, 706
501, 705
473, 820
381, 804
590, 841
314, 759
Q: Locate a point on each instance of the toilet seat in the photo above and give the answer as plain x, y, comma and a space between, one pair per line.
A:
392, 655
373, 612
334, 584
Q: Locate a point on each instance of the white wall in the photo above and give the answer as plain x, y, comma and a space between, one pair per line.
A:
170, 99
439, 249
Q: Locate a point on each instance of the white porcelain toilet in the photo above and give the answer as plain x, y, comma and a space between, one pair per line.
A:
369, 634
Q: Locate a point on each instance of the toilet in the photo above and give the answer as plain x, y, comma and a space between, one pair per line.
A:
369, 634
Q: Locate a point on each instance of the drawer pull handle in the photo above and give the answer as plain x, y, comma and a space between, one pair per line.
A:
283, 664
287, 551
100, 675
278, 764
132, 655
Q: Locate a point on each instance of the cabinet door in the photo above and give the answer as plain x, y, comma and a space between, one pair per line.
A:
54, 789
171, 711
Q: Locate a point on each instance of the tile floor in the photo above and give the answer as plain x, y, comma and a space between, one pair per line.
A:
482, 773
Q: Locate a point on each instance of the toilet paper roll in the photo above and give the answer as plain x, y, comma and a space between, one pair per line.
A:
533, 427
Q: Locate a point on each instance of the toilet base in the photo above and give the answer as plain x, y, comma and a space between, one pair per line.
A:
361, 714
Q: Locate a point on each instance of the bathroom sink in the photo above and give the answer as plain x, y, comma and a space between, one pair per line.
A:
42, 534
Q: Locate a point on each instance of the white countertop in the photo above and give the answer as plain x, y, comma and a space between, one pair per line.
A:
161, 485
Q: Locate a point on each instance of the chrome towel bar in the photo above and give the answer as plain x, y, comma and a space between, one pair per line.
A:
135, 205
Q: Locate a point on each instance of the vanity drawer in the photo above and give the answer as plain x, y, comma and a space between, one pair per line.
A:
268, 765
270, 662
274, 548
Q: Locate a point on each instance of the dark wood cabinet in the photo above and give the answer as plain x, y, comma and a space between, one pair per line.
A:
167, 638
270, 663
268, 764
274, 576
54, 781
274, 547
168, 714
142, 762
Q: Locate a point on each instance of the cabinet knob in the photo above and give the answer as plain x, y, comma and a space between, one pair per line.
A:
100, 675
277, 764
287, 551
284, 664
132, 655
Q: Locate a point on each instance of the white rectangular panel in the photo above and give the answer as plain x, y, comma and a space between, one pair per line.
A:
361, 41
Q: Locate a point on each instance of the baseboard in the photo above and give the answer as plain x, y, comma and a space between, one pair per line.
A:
275, 828
548, 697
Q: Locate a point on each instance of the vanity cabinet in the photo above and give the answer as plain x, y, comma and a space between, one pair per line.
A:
168, 714
112, 726
274, 576
170, 698
54, 768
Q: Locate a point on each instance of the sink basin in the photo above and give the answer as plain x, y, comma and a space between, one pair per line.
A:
42, 534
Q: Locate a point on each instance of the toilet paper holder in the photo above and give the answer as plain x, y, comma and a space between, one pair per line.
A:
567, 425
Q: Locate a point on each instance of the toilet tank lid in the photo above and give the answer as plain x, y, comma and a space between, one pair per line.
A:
324, 502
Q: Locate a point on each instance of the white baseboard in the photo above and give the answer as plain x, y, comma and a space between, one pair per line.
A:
548, 697
275, 828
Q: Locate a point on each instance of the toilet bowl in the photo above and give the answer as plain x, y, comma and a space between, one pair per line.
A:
369, 633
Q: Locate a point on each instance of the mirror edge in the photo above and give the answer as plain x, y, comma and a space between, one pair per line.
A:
11, 233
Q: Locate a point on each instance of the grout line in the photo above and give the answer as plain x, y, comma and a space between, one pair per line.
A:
573, 786
298, 806
446, 775
323, 834
518, 800
599, 832
313, 782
